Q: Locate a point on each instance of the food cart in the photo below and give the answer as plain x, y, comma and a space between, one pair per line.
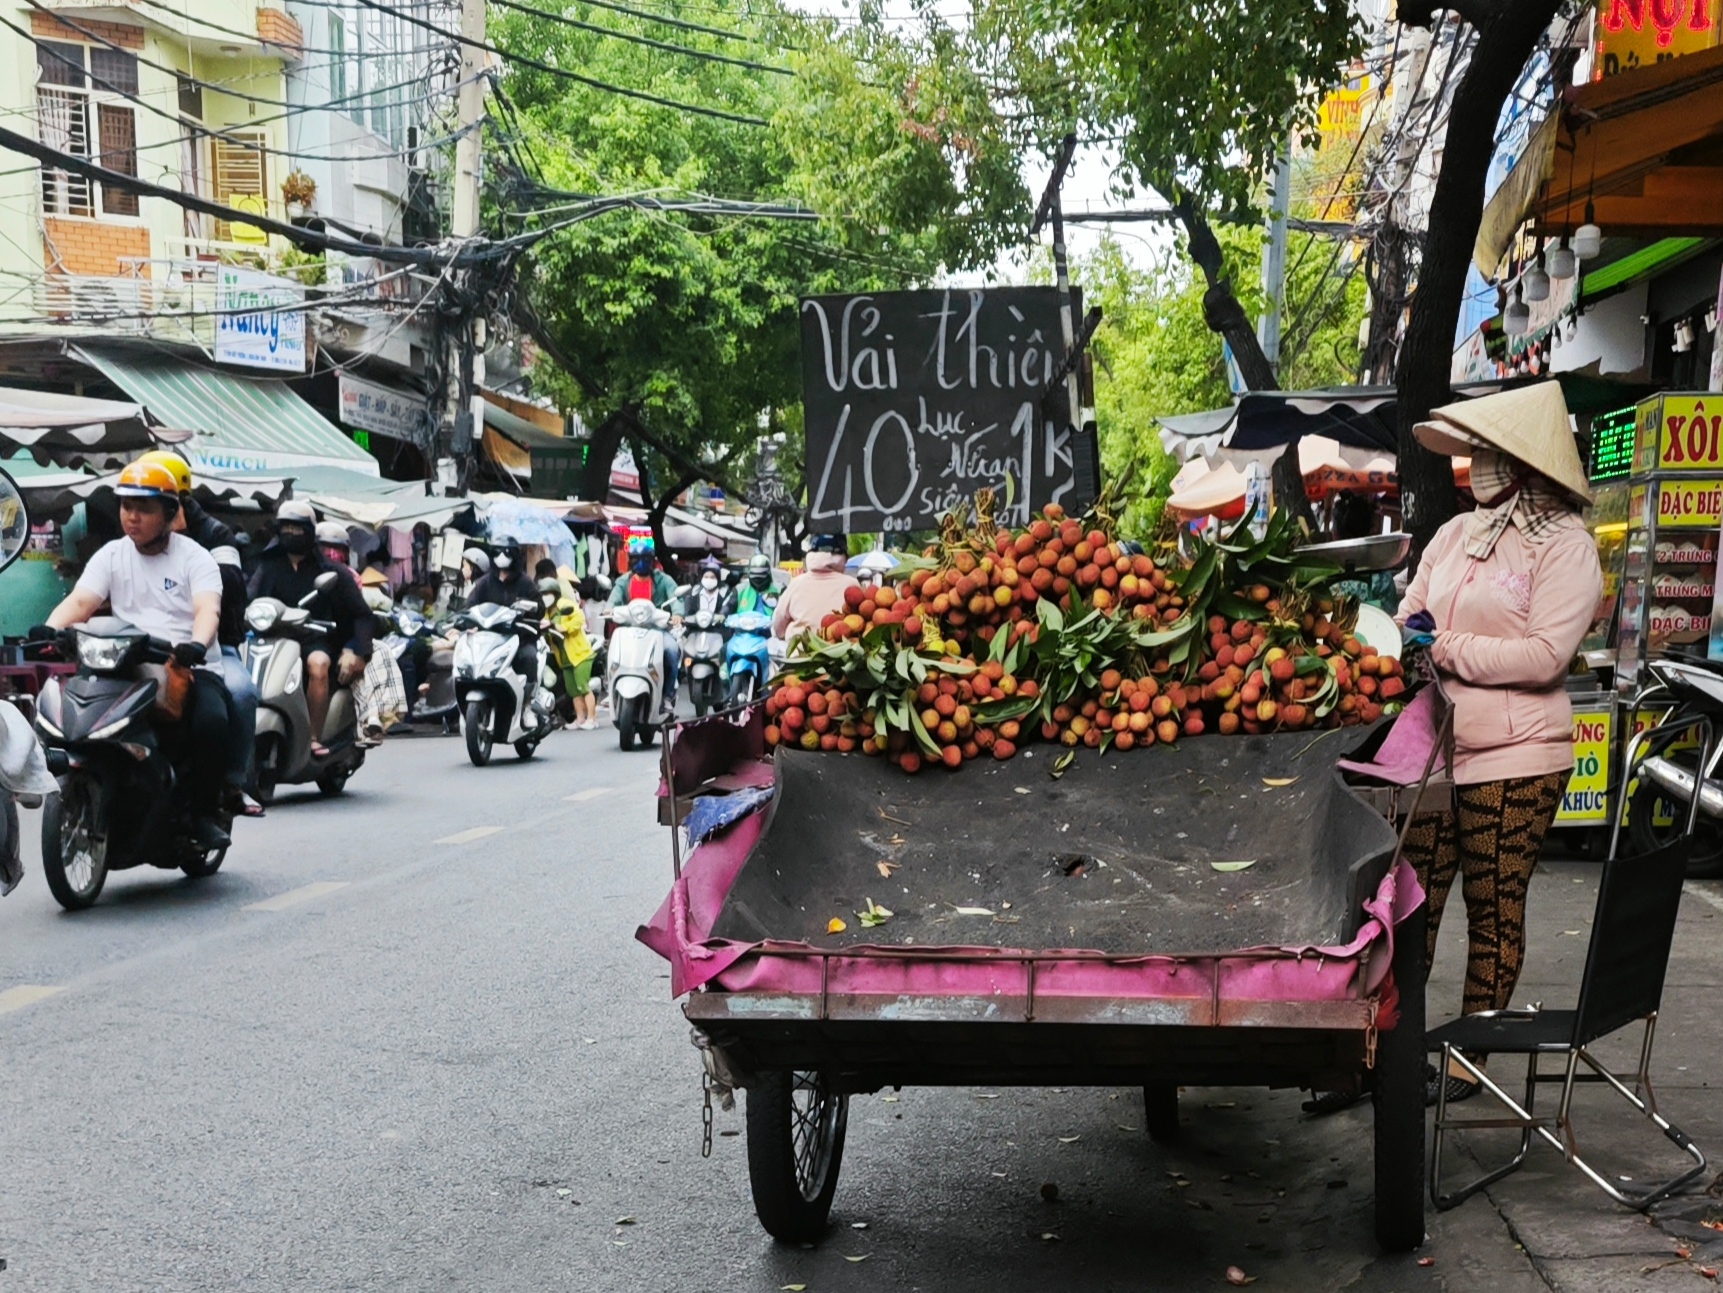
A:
1123, 924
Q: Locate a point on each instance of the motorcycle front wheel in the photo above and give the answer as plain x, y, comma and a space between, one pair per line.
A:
630, 721
75, 844
741, 688
478, 725
1653, 822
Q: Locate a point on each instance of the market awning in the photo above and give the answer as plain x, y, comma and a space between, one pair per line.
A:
242, 424
550, 463
1359, 416
70, 429
1645, 147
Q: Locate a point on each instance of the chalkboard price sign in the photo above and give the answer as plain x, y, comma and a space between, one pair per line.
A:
912, 401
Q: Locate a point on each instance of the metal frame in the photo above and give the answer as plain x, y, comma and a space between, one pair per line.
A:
1557, 1130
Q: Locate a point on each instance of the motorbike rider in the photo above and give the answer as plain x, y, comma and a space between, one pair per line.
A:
507, 583
164, 584
336, 546
818, 591
288, 571
756, 592
475, 565
709, 594
220, 541
645, 581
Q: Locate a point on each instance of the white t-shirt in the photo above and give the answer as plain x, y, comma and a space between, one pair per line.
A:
153, 593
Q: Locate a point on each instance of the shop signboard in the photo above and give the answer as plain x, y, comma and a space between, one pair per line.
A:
374, 407
1586, 799
260, 321
1637, 33
1689, 503
913, 401
1680, 432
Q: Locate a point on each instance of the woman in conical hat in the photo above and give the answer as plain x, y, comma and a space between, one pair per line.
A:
1504, 594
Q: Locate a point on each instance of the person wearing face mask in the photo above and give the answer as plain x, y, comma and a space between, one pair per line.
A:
709, 594
288, 571
818, 591
645, 581
1502, 597
475, 565
757, 592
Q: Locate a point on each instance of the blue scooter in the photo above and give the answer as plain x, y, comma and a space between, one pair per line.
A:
747, 657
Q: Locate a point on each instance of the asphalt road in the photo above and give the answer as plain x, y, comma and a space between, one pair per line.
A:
405, 1039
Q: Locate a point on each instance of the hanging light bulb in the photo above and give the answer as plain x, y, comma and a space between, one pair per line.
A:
1561, 262
1517, 318
1588, 238
1535, 282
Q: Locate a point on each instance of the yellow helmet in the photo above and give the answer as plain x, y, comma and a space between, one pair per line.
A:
142, 479
177, 467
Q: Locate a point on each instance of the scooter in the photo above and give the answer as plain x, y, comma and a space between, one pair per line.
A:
274, 653
634, 676
703, 650
499, 704
749, 658
122, 800
24, 782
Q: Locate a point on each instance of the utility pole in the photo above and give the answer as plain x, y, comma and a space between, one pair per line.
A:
1274, 263
466, 365
1084, 451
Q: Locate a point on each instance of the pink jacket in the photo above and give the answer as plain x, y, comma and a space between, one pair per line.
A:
1507, 629
812, 595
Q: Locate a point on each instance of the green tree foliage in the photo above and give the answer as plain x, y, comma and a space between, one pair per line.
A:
689, 322
1155, 354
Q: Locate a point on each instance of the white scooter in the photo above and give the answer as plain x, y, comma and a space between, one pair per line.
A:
497, 703
274, 655
703, 647
634, 672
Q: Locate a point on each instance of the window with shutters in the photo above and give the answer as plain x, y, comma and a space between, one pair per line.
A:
81, 109
240, 175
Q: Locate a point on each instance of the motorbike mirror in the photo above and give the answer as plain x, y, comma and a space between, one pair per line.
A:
524, 607
14, 521
325, 581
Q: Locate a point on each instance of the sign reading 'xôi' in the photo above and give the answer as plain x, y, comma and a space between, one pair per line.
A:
914, 400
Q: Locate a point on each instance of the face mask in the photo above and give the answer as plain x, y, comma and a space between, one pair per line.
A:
643, 568
708, 582
762, 582
1493, 477
295, 543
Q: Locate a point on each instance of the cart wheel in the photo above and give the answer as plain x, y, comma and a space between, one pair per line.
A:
1399, 1100
795, 1146
1161, 1112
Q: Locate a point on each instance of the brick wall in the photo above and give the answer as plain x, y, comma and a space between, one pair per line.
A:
51, 28
90, 246
276, 28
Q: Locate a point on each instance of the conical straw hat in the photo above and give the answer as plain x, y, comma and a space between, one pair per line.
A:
1528, 423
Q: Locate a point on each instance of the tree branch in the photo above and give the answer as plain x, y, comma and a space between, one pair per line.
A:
1221, 310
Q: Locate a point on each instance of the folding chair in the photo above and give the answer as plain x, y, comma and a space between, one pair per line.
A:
1631, 933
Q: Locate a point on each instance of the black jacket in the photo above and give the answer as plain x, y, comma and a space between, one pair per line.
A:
276, 576
492, 590
203, 529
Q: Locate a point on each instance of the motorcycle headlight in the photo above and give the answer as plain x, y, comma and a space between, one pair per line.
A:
640, 614
101, 654
261, 615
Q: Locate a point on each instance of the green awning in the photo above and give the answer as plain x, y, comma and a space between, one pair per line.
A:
241, 423
1665, 253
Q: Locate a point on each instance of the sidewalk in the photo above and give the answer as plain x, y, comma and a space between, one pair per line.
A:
1547, 1227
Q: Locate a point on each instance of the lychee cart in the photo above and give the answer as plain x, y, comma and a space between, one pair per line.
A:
1225, 912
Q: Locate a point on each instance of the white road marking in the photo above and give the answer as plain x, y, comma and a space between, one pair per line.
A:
25, 994
591, 792
467, 837
293, 897
1709, 896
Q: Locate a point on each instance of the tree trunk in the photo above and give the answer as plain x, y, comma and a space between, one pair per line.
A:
1221, 310
655, 517
601, 450
1508, 32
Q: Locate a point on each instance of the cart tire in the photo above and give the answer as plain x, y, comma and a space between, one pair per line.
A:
1161, 1112
1398, 1097
795, 1148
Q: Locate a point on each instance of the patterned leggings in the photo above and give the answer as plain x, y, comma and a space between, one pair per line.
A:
1501, 827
